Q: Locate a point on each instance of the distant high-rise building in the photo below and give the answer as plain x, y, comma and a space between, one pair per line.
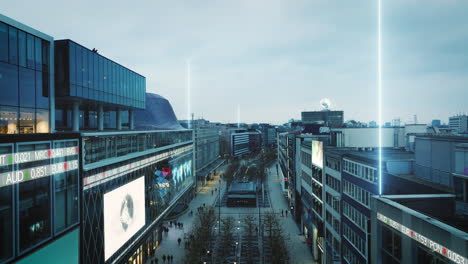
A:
388, 124
326, 117
435, 123
459, 123
372, 124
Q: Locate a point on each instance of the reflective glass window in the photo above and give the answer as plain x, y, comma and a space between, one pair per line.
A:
45, 55
9, 82
72, 61
96, 71
3, 42
27, 87
38, 52
42, 100
79, 67
90, 69
6, 211
34, 203
13, 44
26, 120
8, 120
22, 48
30, 51
6, 217
42, 121
66, 192
84, 54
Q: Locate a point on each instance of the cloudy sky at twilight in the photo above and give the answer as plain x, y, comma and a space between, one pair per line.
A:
276, 58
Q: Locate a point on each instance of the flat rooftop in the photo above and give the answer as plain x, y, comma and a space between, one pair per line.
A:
425, 206
388, 154
242, 187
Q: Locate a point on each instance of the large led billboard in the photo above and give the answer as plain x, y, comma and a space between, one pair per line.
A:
317, 153
124, 214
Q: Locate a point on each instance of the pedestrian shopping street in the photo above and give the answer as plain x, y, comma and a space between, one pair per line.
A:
298, 250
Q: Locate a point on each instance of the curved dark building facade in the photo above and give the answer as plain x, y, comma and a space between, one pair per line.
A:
157, 115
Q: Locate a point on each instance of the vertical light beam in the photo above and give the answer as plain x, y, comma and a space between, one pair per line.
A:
238, 116
379, 88
188, 95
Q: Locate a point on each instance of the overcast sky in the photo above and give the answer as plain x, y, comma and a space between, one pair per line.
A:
276, 58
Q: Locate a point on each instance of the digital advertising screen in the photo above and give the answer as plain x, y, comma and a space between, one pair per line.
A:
124, 214
317, 153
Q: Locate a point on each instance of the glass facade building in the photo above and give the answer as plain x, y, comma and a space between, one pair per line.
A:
25, 79
84, 74
39, 192
166, 167
94, 92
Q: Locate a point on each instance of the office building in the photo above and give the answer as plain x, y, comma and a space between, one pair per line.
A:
207, 156
39, 172
417, 229
62, 194
244, 141
26, 79
94, 92
459, 123
268, 134
436, 123
327, 117
309, 191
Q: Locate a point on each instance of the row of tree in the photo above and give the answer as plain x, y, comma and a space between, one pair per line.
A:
274, 240
201, 237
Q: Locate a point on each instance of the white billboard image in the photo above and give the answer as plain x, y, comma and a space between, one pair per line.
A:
317, 153
124, 214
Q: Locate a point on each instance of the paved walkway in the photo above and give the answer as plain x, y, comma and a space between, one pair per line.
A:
169, 244
300, 254
298, 250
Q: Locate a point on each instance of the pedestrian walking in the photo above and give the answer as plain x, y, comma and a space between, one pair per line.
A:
203, 204
164, 258
216, 189
182, 225
156, 260
172, 258
179, 240
286, 213
282, 213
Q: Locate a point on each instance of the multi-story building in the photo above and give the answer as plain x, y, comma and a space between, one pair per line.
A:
97, 195
244, 141
26, 80
459, 123
430, 227
94, 92
310, 192
268, 134
326, 117
436, 123
206, 153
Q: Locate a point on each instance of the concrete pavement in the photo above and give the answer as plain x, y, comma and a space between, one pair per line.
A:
298, 250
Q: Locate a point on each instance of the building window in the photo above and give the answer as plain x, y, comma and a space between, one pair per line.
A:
34, 212
27, 86
66, 192
391, 246
3, 42
34, 202
9, 81
6, 211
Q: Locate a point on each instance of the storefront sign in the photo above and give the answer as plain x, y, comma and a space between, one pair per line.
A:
444, 251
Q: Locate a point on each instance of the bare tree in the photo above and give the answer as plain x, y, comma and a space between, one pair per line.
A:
201, 236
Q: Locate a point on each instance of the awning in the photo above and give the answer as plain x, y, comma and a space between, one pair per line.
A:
211, 167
